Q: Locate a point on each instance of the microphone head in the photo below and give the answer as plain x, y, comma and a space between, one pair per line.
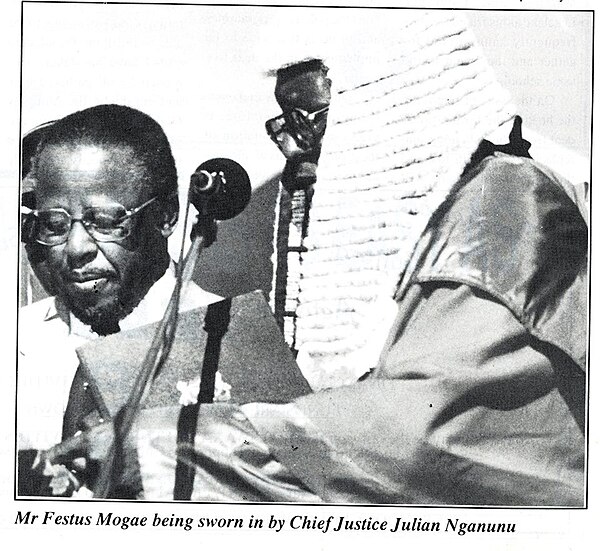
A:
232, 196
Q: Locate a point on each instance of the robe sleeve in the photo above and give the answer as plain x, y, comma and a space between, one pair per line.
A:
231, 461
465, 408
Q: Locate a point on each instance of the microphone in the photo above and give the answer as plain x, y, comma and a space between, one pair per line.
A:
220, 188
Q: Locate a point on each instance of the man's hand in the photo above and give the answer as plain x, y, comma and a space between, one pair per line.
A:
91, 445
83, 454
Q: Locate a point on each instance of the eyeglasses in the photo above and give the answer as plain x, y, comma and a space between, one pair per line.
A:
299, 124
108, 224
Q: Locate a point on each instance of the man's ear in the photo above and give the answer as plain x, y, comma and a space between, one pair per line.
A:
169, 216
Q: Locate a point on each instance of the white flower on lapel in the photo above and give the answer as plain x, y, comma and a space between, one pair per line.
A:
189, 390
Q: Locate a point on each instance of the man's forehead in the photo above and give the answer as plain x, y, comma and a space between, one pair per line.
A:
86, 158
307, 89
88, 166
82, 159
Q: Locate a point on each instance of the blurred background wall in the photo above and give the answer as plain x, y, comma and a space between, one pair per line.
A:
199, 70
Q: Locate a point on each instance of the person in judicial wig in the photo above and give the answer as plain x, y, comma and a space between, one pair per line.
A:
441, 310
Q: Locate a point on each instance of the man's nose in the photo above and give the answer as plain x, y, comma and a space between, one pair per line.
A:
81, 247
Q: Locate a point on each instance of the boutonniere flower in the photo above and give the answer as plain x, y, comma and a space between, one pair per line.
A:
189, 390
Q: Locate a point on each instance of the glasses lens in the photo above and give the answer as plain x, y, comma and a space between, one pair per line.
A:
107, 223
53, 226
111, 223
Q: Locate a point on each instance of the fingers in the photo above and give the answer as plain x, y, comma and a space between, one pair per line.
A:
93, 444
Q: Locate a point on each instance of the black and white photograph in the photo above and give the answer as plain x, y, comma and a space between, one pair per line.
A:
332, 261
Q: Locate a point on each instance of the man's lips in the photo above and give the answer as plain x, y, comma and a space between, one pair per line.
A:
89, 281
83, 277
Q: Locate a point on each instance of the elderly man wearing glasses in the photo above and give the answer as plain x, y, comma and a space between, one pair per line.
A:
105, 201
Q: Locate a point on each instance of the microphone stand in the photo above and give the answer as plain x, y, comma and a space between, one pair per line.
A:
203, 235
216, 324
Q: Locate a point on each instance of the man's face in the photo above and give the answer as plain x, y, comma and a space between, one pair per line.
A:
100, 282
309, 91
